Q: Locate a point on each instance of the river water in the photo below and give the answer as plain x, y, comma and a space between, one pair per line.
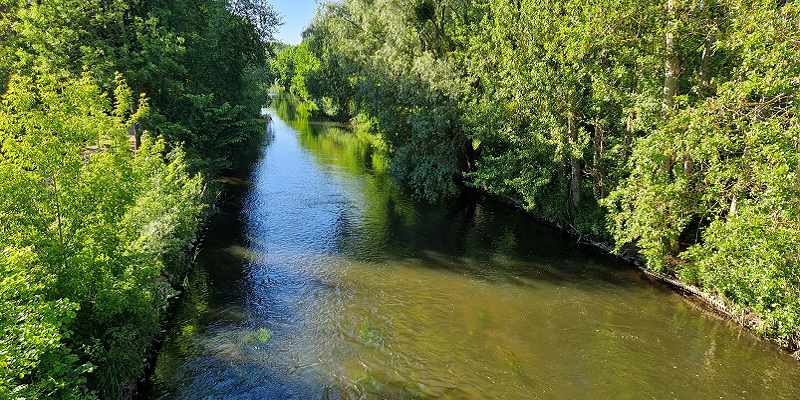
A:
318, 281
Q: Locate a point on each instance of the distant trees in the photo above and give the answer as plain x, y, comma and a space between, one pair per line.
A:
93, 233
671, 125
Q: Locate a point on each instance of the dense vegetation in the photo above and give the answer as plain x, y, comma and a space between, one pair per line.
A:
669, 125
114, 115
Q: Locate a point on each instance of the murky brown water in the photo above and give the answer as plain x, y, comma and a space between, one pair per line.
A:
319, 282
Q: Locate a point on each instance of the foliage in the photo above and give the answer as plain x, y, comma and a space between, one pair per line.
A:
209, 133
669, 125
93, 232
388, 64
292, 66
165, 50
725, 171
82, 253
260, 14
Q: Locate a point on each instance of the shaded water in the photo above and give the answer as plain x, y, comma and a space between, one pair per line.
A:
319, 282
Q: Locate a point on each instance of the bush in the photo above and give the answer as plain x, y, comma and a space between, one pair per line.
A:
87, 225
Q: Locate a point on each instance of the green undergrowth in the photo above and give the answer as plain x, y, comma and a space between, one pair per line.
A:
93, 236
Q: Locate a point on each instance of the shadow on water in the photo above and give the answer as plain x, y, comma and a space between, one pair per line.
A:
458, 233
319, 281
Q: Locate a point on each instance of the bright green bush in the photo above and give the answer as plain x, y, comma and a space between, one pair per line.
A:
87, 225
92, 231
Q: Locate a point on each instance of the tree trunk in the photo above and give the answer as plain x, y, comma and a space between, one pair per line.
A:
672, 65
706, 59
133, 130
137, 137
597, 168
574, 163
627, 138
688, 165
668, 169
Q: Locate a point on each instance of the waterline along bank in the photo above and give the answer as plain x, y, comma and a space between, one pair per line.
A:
317, 280
674, 131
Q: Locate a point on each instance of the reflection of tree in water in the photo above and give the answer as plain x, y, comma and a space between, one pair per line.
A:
381, 222
463, 299
294, 111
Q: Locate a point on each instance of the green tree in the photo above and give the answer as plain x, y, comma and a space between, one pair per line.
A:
720, 177
93, 232
669, 126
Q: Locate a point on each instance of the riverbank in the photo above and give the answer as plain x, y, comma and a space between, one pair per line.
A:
179, 287
742, 315
631, 255
367, 291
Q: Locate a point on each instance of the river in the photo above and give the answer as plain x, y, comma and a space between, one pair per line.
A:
317, 280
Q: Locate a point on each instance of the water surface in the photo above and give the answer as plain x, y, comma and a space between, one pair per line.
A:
318, 281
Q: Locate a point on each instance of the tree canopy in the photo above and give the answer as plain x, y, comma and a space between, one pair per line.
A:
671, 126
114, 114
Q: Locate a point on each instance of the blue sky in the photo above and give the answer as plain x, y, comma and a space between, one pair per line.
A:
296, 16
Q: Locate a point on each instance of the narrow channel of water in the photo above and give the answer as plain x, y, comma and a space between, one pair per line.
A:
317, 281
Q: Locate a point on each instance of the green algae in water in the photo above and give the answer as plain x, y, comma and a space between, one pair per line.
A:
512, 360
262, 335
368, 335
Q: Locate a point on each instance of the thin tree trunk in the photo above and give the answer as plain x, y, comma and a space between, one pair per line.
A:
706, 59
668, 169
672, 65
734, 208
137, 138
688, 165
575, 164
628, 137
597, 170
133, 130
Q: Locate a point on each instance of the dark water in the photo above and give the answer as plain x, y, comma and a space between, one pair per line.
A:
319, 282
